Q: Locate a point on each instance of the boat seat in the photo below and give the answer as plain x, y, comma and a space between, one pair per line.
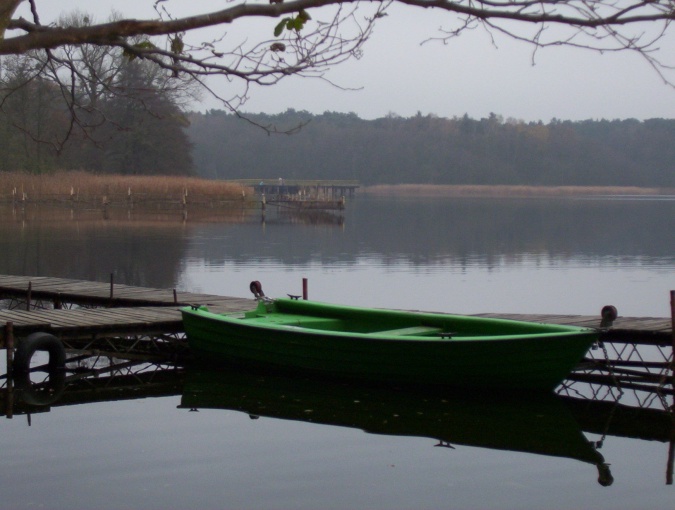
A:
324, 323
409, 331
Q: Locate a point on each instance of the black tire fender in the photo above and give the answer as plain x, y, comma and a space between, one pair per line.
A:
39, 342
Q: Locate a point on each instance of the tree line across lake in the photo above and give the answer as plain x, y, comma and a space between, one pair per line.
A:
147, 133
433, 150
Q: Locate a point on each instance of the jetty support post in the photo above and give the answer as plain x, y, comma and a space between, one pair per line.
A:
671, 449
9, 346
28, 295
304, 289
112, 284
672, 345
672, 324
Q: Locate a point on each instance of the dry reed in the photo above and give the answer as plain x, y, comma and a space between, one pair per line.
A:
85, 186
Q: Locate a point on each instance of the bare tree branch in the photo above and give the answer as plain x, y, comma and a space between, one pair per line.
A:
309, 38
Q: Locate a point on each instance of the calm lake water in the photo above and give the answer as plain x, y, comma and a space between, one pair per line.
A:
194, 439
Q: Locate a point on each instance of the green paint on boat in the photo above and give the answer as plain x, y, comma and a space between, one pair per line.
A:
390, 345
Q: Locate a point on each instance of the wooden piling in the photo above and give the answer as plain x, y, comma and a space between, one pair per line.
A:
28, 295
9, 398
672, 319
9, 345
111, 285
175, 297
671, 449
304, 289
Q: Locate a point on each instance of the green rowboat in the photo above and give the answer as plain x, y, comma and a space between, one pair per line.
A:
390, 345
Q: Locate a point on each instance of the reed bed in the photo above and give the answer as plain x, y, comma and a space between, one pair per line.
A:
85, 187
431, 190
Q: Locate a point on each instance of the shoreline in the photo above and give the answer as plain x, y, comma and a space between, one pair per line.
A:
73, 187
510, 191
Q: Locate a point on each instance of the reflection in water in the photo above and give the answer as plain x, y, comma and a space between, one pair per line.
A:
418, 232
540, 425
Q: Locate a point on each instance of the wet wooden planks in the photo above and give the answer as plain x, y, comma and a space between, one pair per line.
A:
87, 321
82, 322
656, 330
84, 293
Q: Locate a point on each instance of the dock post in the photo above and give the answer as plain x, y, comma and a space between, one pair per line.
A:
9, 346
28, 296
304, 289
111, 285
672, 349
175, 297
671, 449
672, 324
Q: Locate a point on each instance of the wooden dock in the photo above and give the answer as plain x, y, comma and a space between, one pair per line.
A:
326, 188
107, 318
643, 330
135, 321
39, 291
45, 302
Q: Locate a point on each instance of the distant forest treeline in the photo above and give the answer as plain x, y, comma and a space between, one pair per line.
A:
433, 150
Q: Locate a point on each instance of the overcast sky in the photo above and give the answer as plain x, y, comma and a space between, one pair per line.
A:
469, 75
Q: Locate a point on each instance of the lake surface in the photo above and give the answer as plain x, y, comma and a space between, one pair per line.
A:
193, 439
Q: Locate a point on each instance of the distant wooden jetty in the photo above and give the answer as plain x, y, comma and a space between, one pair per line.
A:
302, 194
333, 189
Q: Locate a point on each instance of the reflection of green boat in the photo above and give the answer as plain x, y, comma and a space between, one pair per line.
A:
389, 345
538, 424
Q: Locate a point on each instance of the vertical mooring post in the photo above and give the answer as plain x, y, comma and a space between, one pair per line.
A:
9, 346
672, 325
304, 289
28, 295
672, 351
175, 297
111, 285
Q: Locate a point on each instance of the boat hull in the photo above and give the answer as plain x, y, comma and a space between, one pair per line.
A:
528, 356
